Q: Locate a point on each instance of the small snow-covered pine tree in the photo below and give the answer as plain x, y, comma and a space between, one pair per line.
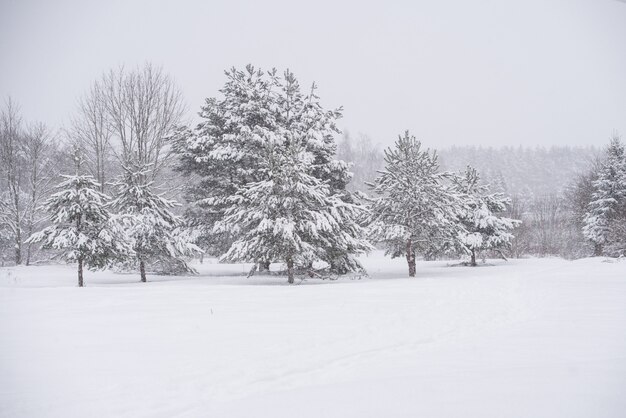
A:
607, 208
484, 226
415, 211
154, 231
82, 227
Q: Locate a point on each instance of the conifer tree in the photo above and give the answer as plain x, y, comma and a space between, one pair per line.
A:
291, 215
607, 208
226, 149
152, 229
82, 227
223, 151
415, 211
484, 226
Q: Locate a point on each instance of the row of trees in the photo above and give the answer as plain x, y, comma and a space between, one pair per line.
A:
118, 144
420, 210
270, 188
96, 231
263, 183
550, 188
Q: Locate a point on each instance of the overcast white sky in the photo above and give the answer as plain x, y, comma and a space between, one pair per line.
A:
497, 72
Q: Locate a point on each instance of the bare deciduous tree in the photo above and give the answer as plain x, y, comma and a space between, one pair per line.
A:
143, 108
38, 148
11, 164
91, 130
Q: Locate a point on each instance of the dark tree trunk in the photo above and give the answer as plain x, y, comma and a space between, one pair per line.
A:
18, 247
473, 261
80, 272
18, 229
142, 270
264, 266
290, 271
28, 252
31, 228
410, 258
597, 250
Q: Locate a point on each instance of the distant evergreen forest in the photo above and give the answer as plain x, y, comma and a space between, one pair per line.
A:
527, 171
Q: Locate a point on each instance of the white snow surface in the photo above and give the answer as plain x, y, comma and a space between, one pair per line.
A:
524, 338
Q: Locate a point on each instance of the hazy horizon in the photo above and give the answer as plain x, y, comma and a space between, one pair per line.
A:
490, 73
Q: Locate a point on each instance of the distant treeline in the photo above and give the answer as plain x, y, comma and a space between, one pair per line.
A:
544, 185
529, 171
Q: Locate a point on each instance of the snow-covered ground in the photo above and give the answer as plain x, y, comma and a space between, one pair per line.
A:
525, 338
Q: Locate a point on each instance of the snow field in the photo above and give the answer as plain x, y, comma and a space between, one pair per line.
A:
537, 337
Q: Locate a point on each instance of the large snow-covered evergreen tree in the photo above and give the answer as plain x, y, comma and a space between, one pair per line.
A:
81, 226
224, 150
153, 230
291, 215
227, 150
415, 211
485, 228
607, 209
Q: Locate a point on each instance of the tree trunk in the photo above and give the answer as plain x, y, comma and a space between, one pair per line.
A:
18, 226
410, 258
290, 271
473, 261
597, 250
142, 270
264, 266
80, 272
31, 227
18, 246
28, 252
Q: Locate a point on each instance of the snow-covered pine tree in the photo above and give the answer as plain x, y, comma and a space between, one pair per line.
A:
226, 150
223, 151
292, 216
154, 231
305, 121
81, 226
608, 204
484, 226
415, 211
